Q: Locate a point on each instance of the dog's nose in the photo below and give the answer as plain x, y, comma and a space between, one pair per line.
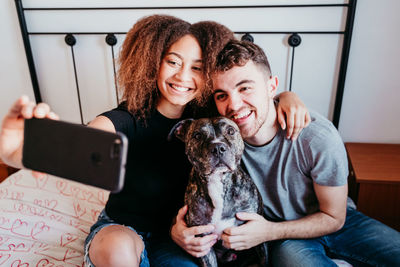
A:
218, 149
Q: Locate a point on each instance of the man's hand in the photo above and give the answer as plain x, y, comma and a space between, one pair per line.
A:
247, 235
186, 237
291, 108
331, 217
12, 129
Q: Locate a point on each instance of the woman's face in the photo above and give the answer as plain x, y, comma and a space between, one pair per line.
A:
180, 77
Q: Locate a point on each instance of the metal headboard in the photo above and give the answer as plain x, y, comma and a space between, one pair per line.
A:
294, 40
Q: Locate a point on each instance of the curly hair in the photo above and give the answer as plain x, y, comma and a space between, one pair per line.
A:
140, 59
144, 48
212, 38
238, 53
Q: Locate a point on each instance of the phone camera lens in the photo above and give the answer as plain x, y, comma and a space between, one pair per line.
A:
116, 149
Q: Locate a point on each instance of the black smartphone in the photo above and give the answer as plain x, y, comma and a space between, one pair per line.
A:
76, 152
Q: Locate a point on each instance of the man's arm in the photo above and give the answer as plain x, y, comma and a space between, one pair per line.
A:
332, 201
331, 217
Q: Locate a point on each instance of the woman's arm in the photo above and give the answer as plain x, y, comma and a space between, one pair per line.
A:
12, 128
292, 113
102, 123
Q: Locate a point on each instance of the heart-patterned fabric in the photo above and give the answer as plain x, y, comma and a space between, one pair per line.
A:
44, 221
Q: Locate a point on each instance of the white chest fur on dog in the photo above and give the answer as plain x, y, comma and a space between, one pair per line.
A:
218, 188
216, 193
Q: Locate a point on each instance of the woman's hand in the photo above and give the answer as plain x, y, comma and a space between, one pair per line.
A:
293, 110
12, 128
188, 239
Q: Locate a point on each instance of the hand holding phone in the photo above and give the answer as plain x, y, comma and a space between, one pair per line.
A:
75, 152
12, 128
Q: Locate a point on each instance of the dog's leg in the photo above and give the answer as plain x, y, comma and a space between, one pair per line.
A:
209, 260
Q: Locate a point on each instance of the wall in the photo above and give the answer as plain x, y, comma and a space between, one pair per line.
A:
371, 108
369, 113
14, 72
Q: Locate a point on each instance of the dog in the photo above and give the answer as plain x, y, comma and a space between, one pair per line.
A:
218, 188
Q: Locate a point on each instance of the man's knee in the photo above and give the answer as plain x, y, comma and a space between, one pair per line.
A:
116, 245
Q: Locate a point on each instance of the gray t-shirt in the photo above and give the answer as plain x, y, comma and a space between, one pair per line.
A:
284, 170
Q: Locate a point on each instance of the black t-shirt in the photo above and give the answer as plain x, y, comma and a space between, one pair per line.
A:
156, 176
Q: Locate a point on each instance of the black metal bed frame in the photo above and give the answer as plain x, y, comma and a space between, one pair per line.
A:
294, 41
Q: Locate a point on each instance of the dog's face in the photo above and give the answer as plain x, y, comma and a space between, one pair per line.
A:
212, 145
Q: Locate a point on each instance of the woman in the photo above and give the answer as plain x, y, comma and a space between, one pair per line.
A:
164, 70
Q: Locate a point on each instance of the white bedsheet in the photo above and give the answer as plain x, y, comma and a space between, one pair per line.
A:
44, 222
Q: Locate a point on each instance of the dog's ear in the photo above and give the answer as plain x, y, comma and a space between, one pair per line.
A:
180, 129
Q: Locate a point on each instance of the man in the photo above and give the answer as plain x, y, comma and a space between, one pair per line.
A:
303, 183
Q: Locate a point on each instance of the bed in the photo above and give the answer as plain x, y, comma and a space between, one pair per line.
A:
44, 221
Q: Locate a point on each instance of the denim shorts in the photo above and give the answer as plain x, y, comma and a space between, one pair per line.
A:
104, 221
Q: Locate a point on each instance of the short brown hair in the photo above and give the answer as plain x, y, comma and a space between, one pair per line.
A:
238, 53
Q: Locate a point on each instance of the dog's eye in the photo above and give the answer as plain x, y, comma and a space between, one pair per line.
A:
231, 131
197, 135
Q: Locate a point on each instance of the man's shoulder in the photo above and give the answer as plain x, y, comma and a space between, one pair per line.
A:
319, 125
324, 152
320, 131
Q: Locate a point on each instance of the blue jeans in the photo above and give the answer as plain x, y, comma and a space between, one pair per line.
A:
158, 251
362, 241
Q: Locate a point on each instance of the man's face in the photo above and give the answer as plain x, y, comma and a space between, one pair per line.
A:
245, 94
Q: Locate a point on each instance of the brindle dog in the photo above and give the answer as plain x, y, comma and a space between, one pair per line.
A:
218, 188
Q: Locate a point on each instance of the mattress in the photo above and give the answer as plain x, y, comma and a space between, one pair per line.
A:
44, 221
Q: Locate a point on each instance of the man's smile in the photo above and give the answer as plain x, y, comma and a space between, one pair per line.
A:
242, 116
